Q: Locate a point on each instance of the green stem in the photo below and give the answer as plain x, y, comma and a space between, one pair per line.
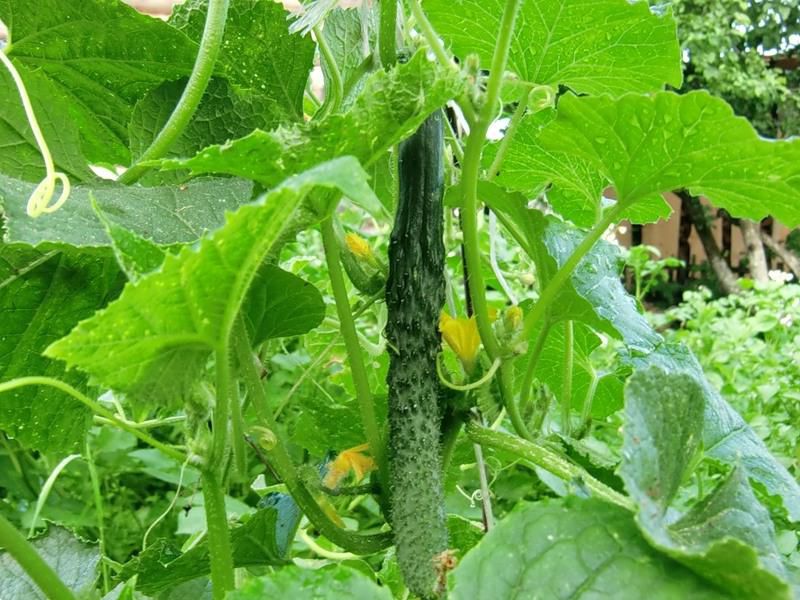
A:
282, 463
569, 361
219, 540
435, 44
586, 411
561, 277
530, 370
221, 414
387, 37
334, 95
535, 455
237, 431
190, 99
508, 136
469, 182
99, 510
357, 368
94, 407
37, 569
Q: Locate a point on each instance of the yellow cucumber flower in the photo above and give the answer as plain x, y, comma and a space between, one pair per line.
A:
359, 246
348, 460
462, 336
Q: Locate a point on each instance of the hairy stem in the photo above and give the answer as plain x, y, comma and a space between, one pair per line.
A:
210, 45
334, 95
387, 36
355, 358
280, 460
469, 181
569, 361
97, 494
508, 136
13, 542
535, 455
95, 407
219, 539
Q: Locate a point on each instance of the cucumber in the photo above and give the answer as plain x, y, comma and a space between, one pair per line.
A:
415, 294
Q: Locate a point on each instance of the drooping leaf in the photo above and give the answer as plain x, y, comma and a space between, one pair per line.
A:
74, 562
43, 295
165, 215
726, 436
591, 46
101, 56
594, 294
335, 582
19, 154
571, 549
225, 113
727, 538
155, 340
391, 105
258, 52
646, 145
255, 543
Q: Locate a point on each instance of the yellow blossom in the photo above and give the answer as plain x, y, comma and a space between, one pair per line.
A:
358, 246
462, 336
348, 460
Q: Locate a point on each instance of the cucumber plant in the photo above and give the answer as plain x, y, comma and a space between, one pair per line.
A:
208, 332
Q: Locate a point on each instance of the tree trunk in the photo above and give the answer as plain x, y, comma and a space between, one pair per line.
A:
756, 257
789, 258
725, 276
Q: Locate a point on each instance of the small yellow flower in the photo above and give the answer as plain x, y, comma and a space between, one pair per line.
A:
348, 460
462, 336
358, 246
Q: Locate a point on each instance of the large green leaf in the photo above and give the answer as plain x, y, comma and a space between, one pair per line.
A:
591, 46
726, 436
43, 295
74, 562
257, 542
19, 153
390, 107
646, 145
173, 214
571, 549
729, 537
102, 56
154, 341
257, 51
335, 582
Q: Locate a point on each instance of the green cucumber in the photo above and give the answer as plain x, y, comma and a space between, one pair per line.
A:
415, 294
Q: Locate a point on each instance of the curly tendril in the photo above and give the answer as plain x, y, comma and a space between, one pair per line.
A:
39, 201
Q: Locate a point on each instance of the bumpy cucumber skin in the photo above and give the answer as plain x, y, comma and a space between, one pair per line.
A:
415, 294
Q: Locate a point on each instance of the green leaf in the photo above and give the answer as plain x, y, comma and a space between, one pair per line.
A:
646, 145
102, 57
729, 537
571, 549
591, 46
726, 436
594, 294
335, 582
257, 50
343, 32
19, 153
43, 295
136, 255
73, 561
154, 341
257, 542
225, 113
390, 107
166, 215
